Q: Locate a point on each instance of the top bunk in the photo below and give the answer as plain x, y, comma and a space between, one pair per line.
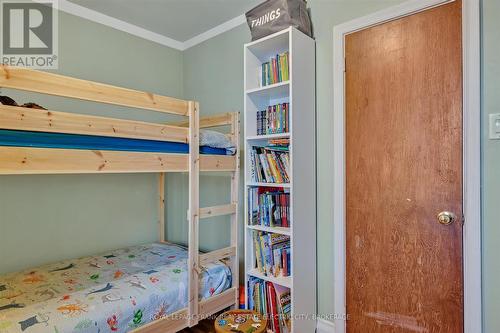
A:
37, 141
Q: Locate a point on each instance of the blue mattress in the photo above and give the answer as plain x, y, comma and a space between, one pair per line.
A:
14, 138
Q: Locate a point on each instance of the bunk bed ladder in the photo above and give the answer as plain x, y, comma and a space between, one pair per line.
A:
230, 296
231, 209
197, 309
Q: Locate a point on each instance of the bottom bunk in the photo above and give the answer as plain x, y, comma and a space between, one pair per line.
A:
118, 291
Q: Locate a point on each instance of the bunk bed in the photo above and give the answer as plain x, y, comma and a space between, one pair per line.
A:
158, 287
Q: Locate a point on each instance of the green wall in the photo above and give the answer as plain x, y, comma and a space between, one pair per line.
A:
47, 218
491, 167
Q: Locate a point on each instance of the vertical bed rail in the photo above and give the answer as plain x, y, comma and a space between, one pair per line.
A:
194, 207
235, 176
161, 208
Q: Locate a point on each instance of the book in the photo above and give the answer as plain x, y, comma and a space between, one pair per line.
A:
253, 167
268, 207
265, 167
275, 70
285, 263
271, 300
272, 253
273, 308
268, 255
270, 164
279, 260
275, 170
258, 252
284, 307
273, 120
251, 295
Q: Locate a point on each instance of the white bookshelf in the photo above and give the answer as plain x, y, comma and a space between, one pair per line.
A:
299, 91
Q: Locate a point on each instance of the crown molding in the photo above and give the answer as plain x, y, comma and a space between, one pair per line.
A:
95, 16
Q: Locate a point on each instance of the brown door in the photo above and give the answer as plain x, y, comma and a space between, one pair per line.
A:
404, 167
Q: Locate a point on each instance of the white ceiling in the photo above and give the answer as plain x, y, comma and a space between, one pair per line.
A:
180, 20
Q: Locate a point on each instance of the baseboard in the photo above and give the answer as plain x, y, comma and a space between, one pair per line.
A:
325, 326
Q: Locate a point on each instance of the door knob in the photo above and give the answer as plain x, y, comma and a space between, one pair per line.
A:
446, 218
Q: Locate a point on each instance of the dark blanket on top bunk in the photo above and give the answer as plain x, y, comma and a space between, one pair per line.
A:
74, 141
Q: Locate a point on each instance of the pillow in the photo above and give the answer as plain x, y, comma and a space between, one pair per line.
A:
215, 139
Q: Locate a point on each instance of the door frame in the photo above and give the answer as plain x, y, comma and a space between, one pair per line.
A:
471, 153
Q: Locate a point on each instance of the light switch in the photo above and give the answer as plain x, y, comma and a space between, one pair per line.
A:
495, 126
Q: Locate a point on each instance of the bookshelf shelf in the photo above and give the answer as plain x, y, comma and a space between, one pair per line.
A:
268, 136
298, 95
282, 281
265, 47
277, 89
276, 230
283, 185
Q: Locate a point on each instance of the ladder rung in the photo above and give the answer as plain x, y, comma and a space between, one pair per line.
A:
217, 211
209, 257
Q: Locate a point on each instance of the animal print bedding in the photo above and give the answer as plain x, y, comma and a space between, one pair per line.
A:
117, 291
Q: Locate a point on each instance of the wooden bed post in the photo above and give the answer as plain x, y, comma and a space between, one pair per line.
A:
194, 207
161, 207
235, 176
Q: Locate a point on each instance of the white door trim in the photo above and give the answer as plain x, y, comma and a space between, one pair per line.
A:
472, 158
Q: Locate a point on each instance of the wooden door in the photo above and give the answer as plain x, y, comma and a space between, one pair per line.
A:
404, 166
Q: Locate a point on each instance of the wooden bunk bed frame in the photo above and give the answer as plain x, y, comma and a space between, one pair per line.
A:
26, 160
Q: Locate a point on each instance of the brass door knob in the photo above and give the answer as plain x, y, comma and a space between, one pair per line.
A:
446, 218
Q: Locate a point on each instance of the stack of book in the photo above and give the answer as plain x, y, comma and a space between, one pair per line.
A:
272, 253
271, 300
274, 120
281, 144
270, 164
269, 207
275, 70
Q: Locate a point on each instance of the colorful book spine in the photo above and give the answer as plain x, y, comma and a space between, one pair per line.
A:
272, 253
275, 70
272, 301
273, 120
270, 164
268, 207
284, 307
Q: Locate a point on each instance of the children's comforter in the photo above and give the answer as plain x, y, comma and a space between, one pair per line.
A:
117, 291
